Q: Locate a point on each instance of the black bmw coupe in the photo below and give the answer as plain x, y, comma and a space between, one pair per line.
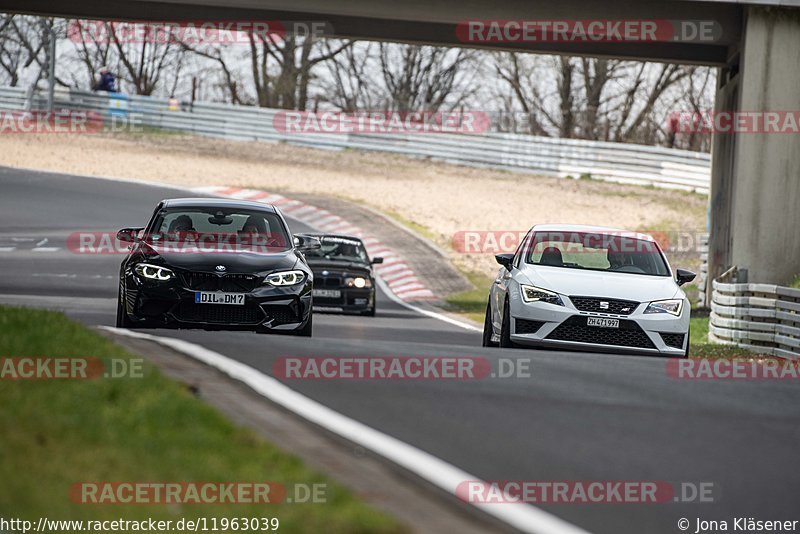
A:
344, 279
216, 264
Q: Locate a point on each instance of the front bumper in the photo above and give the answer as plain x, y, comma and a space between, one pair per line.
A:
170, 305
351, 300
548, 325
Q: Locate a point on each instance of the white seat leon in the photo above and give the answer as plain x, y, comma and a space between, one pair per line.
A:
589, 288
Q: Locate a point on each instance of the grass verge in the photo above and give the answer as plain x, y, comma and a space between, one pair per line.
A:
55, 433
471, 304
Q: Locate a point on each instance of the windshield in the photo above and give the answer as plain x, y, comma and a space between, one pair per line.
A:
220, 226
619, 253
339, 249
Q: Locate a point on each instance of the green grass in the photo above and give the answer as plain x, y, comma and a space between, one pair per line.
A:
55, 433
701, 347
471, 303
796, 282
698, 330
408, 223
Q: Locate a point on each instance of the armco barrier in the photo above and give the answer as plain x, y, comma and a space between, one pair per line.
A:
761, 317
616, 162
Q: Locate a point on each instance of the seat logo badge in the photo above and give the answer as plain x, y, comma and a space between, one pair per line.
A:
603, 305
325, 273
221, 268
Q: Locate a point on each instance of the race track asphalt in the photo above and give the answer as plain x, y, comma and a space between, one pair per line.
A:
577, 417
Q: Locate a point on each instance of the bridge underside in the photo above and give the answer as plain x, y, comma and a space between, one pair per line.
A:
435, 22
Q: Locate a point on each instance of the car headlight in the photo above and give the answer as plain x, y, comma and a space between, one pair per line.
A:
153, 272
537, 294
358, 281
671, 306
286, 278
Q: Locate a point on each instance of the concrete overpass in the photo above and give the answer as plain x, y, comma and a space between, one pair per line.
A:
755, 191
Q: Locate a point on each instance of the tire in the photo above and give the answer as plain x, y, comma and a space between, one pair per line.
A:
488, 329
122, 316
370, 312
505, 329
306, 330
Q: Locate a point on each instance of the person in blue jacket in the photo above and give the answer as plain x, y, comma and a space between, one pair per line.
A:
107, 81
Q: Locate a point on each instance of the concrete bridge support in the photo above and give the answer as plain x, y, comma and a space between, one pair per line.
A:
755, 189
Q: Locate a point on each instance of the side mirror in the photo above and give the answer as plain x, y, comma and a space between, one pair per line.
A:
684, 276
506, 260
376, 261
304, 243
128, 235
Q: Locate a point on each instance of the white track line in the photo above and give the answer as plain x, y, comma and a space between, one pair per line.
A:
428, 467
427, 313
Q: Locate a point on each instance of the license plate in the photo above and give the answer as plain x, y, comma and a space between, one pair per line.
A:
602, 323
326, 293
211, 297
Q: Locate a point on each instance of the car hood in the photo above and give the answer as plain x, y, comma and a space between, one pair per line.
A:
626, 286
234, 262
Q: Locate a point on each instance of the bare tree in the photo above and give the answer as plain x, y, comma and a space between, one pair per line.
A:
520, 74
228, 75
12, 54
590, 98
349, 85
93, 51
696, 96
640, 99
24, 42
143, 56
425, 78
143, 63
283, 67
546, 89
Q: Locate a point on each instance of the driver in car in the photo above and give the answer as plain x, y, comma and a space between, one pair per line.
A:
254, 232
182, 225
616, 259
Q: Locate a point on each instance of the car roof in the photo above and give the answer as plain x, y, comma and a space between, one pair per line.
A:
212, 202
341, 236
590, 229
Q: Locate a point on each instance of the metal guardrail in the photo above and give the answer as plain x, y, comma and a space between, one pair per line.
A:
615, 162
760, 317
